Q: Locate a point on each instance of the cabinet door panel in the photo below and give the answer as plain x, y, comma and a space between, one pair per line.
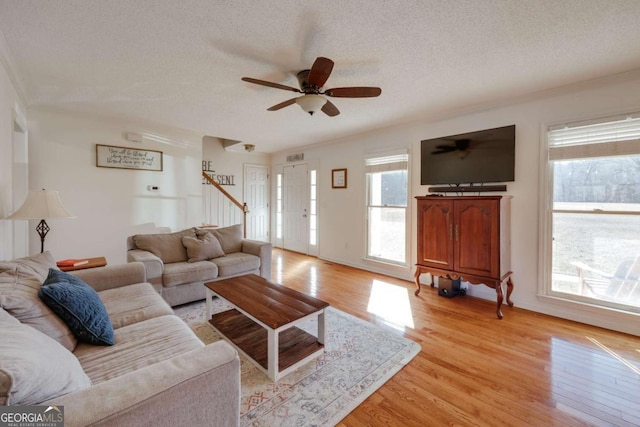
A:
477, 235
435, 241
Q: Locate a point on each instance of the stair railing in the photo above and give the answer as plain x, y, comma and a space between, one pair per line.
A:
242, 206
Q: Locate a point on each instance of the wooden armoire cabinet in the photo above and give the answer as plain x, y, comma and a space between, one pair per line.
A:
466, 237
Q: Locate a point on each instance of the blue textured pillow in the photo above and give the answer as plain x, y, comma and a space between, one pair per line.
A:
79, 306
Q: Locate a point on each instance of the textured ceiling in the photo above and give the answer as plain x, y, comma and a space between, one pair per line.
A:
179, 62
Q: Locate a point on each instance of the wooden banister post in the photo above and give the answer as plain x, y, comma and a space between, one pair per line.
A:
245, 211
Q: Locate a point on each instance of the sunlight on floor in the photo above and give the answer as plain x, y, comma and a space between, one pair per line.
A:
278, 272
299, 269
313, 281
391, 303
594, 383
620, 359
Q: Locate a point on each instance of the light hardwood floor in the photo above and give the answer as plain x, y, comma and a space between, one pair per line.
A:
528, 369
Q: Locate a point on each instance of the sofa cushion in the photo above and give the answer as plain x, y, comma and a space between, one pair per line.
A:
202, 248
79, 306
133, 303
236, 263
166, 246
230, 238
178, 273
137, 345
34, 367
20, 281
36, 266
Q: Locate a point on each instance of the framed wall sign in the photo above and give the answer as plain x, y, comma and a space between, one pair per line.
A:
338, 178
110, 156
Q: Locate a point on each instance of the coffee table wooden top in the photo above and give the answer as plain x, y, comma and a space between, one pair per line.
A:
270, 303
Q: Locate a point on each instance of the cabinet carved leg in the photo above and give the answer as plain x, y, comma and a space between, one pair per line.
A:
499, 299
416, 278
509, 290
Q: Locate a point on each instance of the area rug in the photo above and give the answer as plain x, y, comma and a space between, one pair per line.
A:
359, 357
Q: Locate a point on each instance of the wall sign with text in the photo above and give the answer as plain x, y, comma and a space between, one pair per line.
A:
222, 179
110, 156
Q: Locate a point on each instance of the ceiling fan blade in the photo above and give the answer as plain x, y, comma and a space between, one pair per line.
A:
270, 84
354, 92
320, 71
441, 149
282, 104
330, 110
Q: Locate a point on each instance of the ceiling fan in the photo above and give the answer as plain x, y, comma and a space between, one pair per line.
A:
314, 98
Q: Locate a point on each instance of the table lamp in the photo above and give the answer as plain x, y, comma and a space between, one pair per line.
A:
41, 205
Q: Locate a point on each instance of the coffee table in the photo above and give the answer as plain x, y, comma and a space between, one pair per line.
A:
262, 324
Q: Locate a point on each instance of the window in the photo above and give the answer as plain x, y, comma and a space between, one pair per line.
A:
595, 211
387, 190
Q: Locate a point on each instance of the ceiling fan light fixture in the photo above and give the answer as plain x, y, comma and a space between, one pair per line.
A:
311, 103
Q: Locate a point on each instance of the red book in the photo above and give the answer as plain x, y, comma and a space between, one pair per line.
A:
72, 262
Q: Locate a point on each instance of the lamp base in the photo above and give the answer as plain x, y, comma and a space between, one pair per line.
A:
42, 228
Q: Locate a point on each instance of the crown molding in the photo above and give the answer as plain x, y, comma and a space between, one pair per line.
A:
6, 59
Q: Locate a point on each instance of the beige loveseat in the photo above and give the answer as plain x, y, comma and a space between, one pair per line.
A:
158, 373
179, 263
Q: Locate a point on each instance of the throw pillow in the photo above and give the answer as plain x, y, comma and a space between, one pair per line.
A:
166, 246
230, 238
79, 306
202, 249
33, 367
20, 281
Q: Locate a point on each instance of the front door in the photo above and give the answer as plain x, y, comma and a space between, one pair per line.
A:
295, 208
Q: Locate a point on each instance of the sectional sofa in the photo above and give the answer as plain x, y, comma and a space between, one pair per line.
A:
156, 373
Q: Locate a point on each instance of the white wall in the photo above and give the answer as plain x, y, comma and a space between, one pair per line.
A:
341, 213
11, 108
110, 204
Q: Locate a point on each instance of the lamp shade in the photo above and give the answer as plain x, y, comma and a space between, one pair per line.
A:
41, 204
311, 103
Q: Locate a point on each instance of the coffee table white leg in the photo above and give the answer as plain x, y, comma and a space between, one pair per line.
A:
209, 303
272, 353
321, 327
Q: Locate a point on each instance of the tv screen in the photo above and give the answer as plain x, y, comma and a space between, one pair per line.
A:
469, 158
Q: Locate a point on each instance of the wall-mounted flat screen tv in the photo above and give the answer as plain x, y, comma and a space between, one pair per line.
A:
469, 158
